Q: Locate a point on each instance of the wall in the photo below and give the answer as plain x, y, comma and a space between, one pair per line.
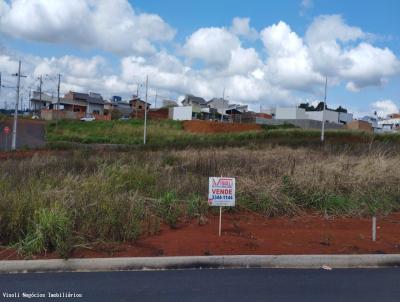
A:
330, 116
345, 117
181, 113
95, 107
50, 115
290, 113
154, 114
220, 105
303, 123
359, 125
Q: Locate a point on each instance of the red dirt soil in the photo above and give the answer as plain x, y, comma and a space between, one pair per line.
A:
29, 154
216, 127
247, 233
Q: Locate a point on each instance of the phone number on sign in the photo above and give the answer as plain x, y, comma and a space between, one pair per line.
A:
222, 197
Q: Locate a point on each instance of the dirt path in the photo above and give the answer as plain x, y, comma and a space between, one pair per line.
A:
251, 234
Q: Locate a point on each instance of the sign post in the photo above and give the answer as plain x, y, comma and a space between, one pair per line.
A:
221, 193
6, 132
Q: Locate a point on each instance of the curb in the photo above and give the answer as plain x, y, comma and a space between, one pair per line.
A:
192, 262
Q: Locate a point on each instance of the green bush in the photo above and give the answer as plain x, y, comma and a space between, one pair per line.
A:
51, 231
197, 207
169, 209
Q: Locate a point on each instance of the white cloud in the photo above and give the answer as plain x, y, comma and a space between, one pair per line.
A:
289, 63
209, 60
369, 66
385, 107
301, 64
332, 27
111, 25
241, 27
213, 45
305, 5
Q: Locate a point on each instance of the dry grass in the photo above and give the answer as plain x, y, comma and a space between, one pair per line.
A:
119, 196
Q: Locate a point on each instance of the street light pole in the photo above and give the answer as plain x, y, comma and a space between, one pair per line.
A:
58, 97
145, 113
14, 131
323, 113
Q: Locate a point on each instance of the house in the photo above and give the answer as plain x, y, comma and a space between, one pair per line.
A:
94, 102
220, 104
169, 103
393, 115
360, 125
74, 105
389, 124
116, 103
41, 101
238, 107
197, 103
138, 105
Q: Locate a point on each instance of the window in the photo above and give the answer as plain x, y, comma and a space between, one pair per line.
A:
140, 106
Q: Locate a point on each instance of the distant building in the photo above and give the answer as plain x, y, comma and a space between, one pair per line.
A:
138, 105
169, 103
73, 105
360, 125
238, 107
197, 103
94, 101
116, 103
390, 124
219, 104
290, 113
338, 115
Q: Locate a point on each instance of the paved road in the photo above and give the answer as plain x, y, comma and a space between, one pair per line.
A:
30, 134
212, 285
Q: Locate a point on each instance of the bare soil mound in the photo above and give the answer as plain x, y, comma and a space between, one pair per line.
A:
215, 127
251, 234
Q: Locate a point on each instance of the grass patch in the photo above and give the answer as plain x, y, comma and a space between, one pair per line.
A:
55, 203
170, 134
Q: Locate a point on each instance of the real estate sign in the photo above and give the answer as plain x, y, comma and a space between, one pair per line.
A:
221, 191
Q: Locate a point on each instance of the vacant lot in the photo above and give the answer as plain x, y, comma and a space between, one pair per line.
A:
60, 202
171, 134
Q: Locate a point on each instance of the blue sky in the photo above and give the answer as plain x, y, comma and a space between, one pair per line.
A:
273, 53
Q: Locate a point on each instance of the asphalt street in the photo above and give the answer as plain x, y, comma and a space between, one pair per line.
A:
208, 285
30, 134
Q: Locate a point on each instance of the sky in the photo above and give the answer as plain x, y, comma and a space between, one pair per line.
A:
261, 53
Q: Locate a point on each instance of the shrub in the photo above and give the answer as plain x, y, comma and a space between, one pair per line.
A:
169, 209
50, 231
197, 207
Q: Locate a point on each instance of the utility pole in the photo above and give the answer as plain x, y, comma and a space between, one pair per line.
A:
40, 88
58, 97
223, 98
155, 101
323, 113
14, 130
29, 100
0, 87
145, 113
